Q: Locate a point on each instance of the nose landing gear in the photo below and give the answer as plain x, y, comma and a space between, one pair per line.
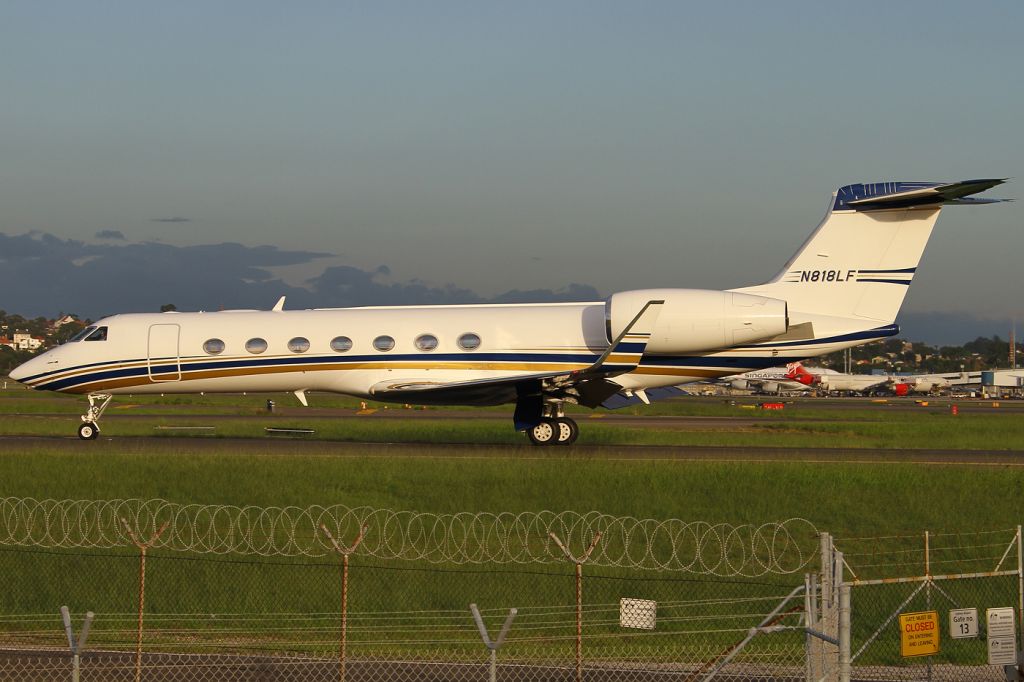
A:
90, 427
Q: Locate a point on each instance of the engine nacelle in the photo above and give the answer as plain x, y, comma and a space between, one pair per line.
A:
695, 320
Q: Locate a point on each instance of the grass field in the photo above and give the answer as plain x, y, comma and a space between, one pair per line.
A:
845, 498
848, 499
804, 424
511, 476
924, 432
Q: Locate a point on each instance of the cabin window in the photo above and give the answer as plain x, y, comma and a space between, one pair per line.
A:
256, 346
469, 341
341, 344
384, 343
82, 334
213, 346
98, 334
426, 342
299, 344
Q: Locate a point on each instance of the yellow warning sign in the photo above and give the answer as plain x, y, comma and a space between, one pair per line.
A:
919, 633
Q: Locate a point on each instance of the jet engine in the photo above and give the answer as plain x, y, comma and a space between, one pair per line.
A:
694, 320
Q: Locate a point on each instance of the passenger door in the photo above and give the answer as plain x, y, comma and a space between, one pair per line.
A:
163, 360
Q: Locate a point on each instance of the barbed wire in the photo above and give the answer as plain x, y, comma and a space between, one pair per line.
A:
698, 547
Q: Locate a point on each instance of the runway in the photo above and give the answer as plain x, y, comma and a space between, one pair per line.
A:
278, 446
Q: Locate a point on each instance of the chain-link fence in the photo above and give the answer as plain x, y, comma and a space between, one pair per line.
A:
185, 592
936, 577
280, 618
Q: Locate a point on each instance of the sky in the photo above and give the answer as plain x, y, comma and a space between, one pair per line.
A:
489, 148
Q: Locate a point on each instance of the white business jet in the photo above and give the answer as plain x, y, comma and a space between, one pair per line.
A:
842, 288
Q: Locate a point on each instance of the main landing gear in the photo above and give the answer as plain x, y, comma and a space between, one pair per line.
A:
90, 427
553, 428
560, 431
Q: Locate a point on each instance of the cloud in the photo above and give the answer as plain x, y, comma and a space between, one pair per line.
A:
949, 328
44, 274
110, 234
574, 292
175, 219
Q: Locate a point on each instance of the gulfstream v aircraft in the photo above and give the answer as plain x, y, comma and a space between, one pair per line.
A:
842, 288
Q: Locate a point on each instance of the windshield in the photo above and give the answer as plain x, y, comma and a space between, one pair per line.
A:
82, 334
99, 335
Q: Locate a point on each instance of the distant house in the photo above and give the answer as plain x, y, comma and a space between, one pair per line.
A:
25, 341
6, 341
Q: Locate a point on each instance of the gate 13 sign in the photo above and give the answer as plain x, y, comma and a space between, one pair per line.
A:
919, 633
963, 623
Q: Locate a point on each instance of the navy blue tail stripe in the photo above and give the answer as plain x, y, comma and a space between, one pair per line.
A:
905, 282
886, 272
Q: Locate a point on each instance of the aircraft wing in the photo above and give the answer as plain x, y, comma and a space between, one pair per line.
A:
490, 391
589, 386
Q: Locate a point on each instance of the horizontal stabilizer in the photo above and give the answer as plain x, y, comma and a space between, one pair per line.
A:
885, 195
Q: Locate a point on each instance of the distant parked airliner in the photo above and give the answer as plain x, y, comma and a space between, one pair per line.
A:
842, 288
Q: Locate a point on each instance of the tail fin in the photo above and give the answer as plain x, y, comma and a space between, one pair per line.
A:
860, 260
797, 372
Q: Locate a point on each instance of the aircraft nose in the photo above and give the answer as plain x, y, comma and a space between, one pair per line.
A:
25, 369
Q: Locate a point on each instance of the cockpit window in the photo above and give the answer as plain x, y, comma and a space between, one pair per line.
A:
100, 334
82, 334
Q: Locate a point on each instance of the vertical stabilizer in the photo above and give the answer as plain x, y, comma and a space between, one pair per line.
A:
861, 259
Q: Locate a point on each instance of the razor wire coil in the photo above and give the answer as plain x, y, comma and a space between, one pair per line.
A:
465, 538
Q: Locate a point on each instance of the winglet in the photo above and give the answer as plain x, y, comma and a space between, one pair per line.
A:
279, 306
624, 353
883, 195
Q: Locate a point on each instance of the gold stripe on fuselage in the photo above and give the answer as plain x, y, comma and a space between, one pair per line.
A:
194, 375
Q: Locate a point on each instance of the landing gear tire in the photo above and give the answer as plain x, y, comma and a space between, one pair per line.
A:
568, 431
544, 433
88, 431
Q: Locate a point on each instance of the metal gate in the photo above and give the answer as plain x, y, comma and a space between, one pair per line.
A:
956, 573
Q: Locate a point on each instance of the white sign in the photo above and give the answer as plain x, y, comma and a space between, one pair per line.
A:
963, 623
637, 613
1002, 651
1002, 636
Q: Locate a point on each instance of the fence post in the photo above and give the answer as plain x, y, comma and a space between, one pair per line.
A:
579, 561
344, 552
827, 569
76, 646
493, 645
143, 546
1020, 587
810, 621
844, 632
